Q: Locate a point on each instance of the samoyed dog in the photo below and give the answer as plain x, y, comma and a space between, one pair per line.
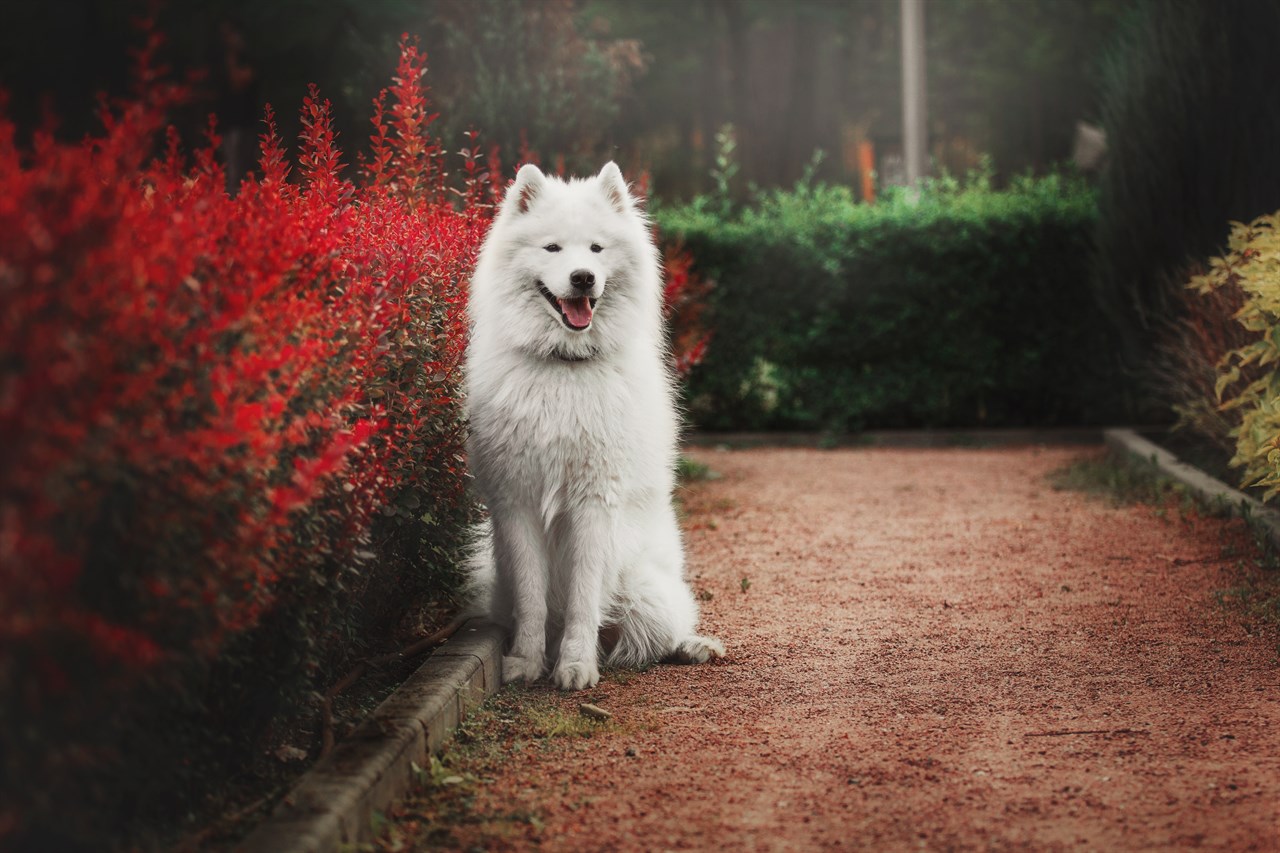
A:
573, 436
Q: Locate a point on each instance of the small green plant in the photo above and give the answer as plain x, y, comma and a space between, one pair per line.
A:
809, 175
691, 470
726, 166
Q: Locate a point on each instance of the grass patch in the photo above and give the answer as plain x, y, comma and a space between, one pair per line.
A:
1256, 597
688, 472
557, 722
1119, 482
1255, 593
525, 716
692, 471
446, 810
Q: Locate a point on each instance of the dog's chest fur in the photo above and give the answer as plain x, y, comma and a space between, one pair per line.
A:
566, 434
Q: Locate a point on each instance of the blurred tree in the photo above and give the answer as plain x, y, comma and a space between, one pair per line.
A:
648, 83
57, 55
531, 76
1005, 79
1012, 79
1193, 132
67, 51
777, 71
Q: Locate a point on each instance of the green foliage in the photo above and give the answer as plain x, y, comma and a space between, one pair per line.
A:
1249, 376
1190, 146
961, 307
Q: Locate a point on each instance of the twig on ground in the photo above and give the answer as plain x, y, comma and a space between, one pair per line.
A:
1064, 732
412, 650
198, 840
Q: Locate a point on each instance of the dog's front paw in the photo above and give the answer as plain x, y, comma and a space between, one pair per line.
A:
576, 675
516, 668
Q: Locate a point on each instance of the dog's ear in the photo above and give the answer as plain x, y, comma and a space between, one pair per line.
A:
529, 183
615, 187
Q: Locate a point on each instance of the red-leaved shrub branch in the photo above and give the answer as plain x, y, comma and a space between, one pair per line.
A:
685, 295
205, 400
187, 375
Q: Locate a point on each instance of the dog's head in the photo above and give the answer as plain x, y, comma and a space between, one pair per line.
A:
569, 267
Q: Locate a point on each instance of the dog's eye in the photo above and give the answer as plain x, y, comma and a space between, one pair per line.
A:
596, 247
552, 247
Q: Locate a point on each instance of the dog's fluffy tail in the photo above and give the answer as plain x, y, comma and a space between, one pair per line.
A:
481, 575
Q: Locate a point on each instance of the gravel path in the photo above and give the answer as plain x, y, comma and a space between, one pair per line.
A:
927, 649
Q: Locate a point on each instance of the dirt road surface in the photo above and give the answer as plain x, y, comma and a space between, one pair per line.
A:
928, 649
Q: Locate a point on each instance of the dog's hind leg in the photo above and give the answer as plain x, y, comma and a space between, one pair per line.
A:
520, 597
657, 618
696, 648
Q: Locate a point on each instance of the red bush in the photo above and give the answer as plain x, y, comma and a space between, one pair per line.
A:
222, 359
230, 431
206, 401
684, 296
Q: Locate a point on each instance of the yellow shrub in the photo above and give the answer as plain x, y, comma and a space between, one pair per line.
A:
1252, 263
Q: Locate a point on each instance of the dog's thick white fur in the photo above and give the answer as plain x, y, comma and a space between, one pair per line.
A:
573, 435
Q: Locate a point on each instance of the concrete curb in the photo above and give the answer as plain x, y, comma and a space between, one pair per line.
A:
906, 438
332, 807
1210, 491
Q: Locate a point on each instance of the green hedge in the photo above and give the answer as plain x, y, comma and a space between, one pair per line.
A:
964, 307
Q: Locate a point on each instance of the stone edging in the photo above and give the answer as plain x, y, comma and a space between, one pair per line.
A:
1210, 491
332, 807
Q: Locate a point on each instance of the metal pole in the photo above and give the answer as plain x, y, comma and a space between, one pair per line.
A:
914, 130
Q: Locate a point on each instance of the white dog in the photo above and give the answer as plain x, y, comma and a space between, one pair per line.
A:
573, 435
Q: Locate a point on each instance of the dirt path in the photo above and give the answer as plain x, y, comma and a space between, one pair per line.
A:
934, 650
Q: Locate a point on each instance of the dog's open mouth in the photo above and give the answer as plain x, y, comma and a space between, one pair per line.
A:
576, 313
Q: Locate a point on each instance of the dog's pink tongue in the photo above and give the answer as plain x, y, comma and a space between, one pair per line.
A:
578, 311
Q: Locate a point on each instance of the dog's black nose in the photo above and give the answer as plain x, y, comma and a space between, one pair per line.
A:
583, 279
